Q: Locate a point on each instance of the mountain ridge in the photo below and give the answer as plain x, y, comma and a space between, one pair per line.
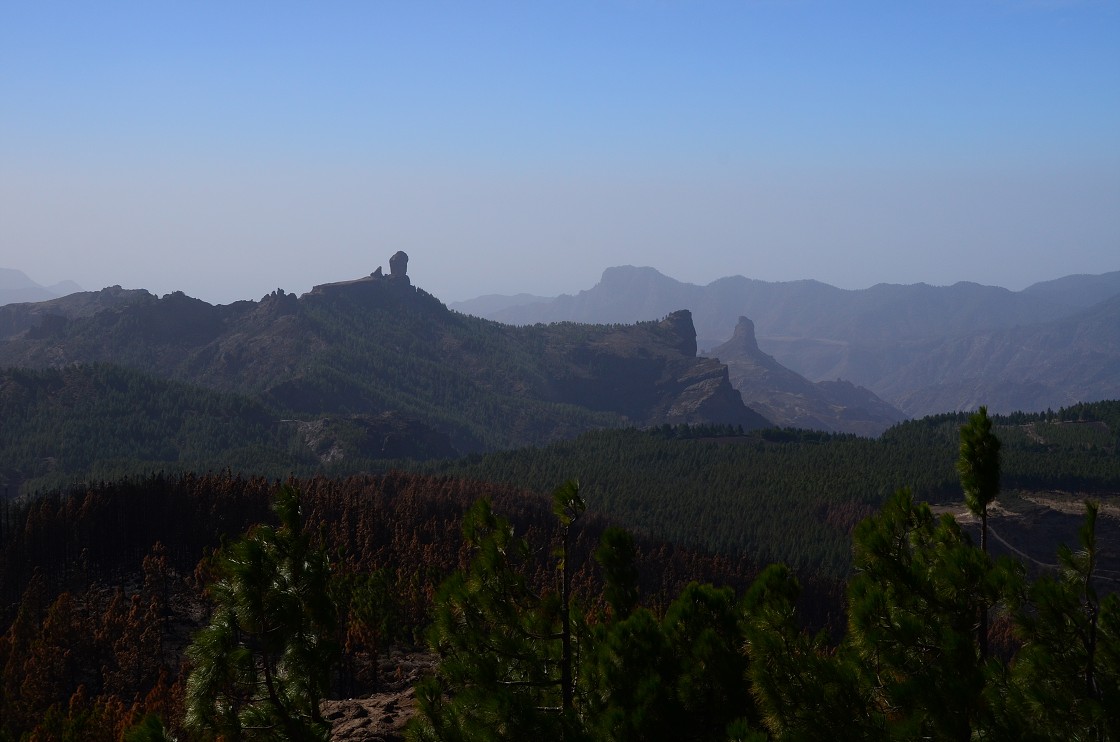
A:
871, 337
379, 344
17, 287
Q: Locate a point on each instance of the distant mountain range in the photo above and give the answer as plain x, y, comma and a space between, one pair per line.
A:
33, 329
377, 368
16, 287
361, 360
924, 349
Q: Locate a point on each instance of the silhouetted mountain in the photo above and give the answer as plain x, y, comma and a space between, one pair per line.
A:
803, 309
380, 345
790, 400
16, 287
878, 337
1080, 291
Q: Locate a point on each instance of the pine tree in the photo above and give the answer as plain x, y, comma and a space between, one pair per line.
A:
1065, 682
913, 601
567, 506
261, 666
616, 555
804, 690
629, 681
507, 668
704, 632
979, 470
150, 728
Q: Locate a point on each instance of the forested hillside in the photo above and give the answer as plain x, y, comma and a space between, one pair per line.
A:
100, 423
770, 495
794, 496
380, 345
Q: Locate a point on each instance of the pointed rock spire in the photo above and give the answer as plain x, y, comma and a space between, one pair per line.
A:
744, 334
743, 343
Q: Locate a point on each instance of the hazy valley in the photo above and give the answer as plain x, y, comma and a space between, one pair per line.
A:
924, 349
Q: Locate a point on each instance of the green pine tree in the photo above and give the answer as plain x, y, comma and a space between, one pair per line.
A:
260, 668
979, 469
1065, 682
150, 728
704, 630
804, 690
913, 601
616, 556
629, 679
567, 506
507, 665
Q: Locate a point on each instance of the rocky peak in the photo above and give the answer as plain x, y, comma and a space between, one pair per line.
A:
398, 266
398, 277
743, 344
789, 399
744, 338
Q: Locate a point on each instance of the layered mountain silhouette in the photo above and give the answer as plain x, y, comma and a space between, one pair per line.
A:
361, 349
16, 287
787, 397
924, 349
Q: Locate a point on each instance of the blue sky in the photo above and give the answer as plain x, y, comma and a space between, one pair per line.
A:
227, 149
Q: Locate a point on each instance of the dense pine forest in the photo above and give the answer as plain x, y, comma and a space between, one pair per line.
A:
770, 495
123, 602
794, 496
101, 587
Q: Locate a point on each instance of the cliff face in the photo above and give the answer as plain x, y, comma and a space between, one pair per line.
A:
649, 373
379, 345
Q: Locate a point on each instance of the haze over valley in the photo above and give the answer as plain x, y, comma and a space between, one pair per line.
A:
924, 349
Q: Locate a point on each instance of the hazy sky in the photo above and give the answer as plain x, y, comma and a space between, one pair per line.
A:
230, 148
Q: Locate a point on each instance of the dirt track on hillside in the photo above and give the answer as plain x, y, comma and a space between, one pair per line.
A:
1032, 525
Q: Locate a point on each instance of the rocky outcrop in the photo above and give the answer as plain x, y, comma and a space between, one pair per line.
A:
398, 276
707, 396
398, 265
381, 716
649, 372
389, 435
791, 400
679, 332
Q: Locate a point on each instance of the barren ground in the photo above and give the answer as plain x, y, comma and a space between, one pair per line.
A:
382, 716
1031, 526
